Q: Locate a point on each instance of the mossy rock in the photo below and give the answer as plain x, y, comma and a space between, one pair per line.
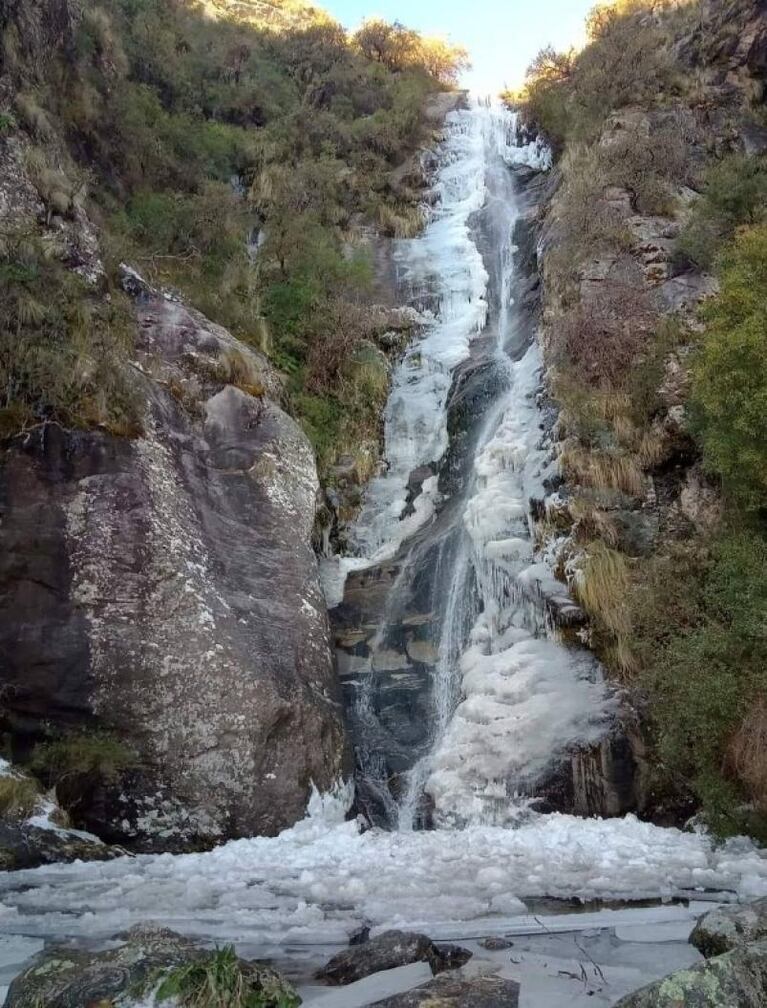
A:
65, 977
727, 927
738, 978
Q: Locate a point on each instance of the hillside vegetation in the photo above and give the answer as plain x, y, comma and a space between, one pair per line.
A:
656, 334
230, 150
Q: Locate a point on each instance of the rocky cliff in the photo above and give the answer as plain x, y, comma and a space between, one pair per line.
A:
164, 588
623, 320
158, 586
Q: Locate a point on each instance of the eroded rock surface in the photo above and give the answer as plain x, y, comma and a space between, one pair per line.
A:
165, 586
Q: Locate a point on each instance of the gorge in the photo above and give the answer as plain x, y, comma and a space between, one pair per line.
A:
380, 544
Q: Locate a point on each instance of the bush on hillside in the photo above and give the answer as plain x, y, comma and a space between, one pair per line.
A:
729, 394
734, 194
700, 634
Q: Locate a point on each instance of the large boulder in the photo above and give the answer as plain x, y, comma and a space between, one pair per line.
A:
67, 977
458, 992
737, 979
164, 588
726, 927
388, 951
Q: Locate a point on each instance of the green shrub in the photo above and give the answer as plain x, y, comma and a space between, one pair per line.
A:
700, 632
221, 980
734, 194
729, 393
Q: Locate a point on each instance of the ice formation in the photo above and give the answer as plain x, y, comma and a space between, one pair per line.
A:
316, 882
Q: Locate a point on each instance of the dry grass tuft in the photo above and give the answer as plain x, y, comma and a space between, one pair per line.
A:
240, 369
747, 755
601, 585
592, 522
602, 470
18, 796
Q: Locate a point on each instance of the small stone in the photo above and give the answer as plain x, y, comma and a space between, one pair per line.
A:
496, 944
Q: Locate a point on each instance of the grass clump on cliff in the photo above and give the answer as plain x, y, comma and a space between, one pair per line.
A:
734, 195
82, 753
18, 796
63, 348
221, 980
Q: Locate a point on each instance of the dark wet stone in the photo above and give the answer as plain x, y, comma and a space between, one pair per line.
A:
388, 951
496, 944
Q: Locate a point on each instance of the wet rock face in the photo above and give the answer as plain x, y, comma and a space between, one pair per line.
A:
738, 978
388, 951
458, 992
166, 589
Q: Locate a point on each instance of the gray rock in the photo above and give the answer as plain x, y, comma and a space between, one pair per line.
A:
387, 951
170, 593
26, 846
725, 928
67, 977
737, 979
496, 944
458, 992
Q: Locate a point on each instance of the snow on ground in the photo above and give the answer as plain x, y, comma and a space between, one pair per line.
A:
318, 880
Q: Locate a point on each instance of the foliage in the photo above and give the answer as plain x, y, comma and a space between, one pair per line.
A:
63, 349
81, 753
729, 394
18, 796
627, 61
221, 980
701, 635
205, 133
734, 194
400, 48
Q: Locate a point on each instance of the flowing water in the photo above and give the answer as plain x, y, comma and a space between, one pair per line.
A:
506, 699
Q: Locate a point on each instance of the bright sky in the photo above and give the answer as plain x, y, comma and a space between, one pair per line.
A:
502, 36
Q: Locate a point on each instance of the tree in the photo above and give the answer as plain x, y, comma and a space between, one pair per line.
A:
729, 376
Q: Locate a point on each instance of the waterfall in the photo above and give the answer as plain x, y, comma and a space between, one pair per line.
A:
505, 698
